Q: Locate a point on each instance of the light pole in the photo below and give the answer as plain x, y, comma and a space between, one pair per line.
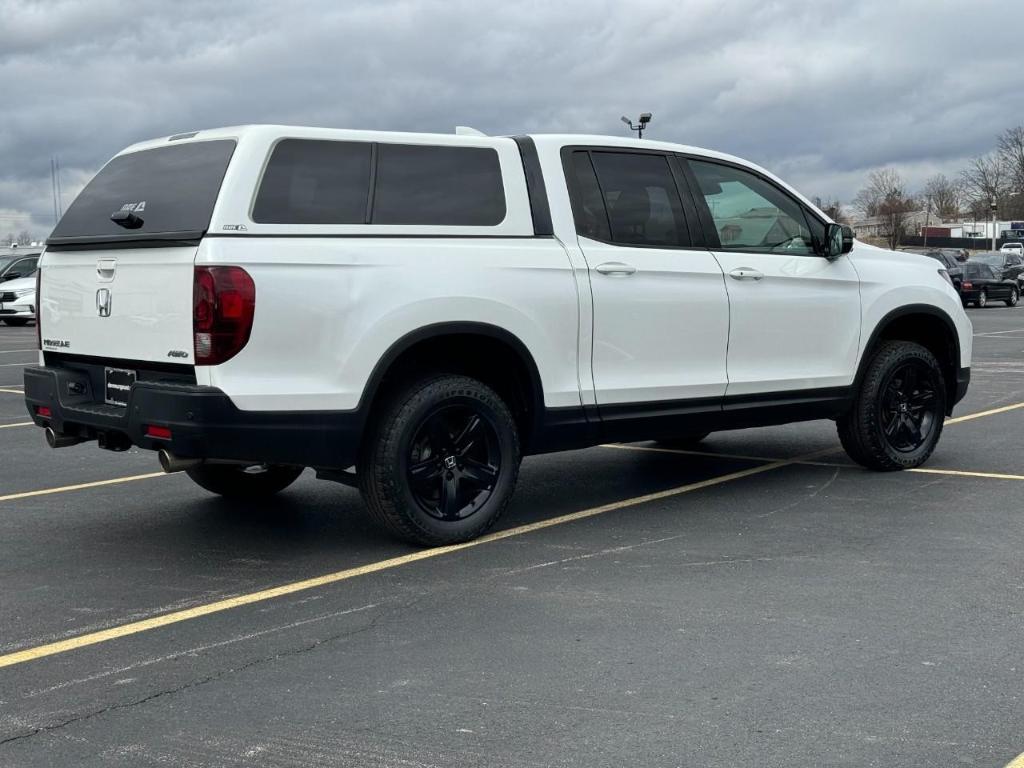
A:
645, 118
994, 209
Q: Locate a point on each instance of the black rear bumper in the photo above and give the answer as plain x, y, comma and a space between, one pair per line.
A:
203, 422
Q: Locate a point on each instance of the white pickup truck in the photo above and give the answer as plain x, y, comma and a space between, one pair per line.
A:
413, 313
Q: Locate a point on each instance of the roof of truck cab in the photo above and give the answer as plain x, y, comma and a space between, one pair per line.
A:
566, 139
545, 141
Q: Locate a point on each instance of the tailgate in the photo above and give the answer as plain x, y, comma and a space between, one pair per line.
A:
126, 303
117, 271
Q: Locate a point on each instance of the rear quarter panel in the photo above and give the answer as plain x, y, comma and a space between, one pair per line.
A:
327, 310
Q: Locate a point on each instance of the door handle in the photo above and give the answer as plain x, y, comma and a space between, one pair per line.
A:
746, 273
105, 268
615, 268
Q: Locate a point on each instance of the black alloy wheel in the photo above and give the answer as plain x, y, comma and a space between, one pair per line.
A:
909, 406
898, 412
439, 460
454, 462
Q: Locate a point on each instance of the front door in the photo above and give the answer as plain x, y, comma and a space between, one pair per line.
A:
794, 315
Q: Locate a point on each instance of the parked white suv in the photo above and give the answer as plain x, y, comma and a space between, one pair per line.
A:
413, 313
18, 300
1017, 248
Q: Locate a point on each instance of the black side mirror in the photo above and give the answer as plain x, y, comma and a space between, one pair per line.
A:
11, 276
833, 246
847, 238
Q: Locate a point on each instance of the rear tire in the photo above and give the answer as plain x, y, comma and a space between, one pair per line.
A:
234, 481
982, 300
897, 415
440, 461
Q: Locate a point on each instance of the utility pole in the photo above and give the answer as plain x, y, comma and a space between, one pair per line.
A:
927, 215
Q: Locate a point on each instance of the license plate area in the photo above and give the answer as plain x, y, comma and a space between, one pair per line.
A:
117, 385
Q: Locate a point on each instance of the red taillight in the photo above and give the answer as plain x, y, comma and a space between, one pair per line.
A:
161, 433
39, 308
43, 411
967, 284
223, 306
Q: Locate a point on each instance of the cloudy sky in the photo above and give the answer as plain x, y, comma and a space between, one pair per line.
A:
820, 92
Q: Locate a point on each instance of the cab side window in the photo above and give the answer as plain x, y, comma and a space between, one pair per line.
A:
752, 215
627, 198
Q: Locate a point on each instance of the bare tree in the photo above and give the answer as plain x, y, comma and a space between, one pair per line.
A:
985, 179
24, 238
885, 197
832, 208
1011, 151
1010, 148
941, 196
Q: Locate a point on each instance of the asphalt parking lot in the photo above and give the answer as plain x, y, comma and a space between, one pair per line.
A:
765, 604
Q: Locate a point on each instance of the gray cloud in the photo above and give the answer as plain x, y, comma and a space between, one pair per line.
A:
819, 92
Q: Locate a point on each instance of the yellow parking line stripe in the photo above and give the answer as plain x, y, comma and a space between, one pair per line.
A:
1017, 762
80, 486
966, 473
840, 465
980, 414
132, 628
19, 424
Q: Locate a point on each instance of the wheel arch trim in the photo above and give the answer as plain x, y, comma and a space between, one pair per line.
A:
905, 311
454, 328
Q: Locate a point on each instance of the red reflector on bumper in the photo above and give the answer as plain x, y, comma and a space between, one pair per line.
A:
43, 411
162, 433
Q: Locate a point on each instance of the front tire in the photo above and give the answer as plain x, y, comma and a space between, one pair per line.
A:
897, 415
234, 481
1014, 298
440, 461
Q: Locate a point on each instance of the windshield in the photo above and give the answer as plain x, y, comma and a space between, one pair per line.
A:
989, 258
977, 271
168, 191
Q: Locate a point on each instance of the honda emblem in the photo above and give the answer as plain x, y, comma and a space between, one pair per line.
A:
103, 302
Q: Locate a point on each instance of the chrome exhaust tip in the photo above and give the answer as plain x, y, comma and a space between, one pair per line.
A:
171, 463
60, 440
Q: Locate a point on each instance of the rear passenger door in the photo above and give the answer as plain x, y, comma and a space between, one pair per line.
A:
794, 315
661, 316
